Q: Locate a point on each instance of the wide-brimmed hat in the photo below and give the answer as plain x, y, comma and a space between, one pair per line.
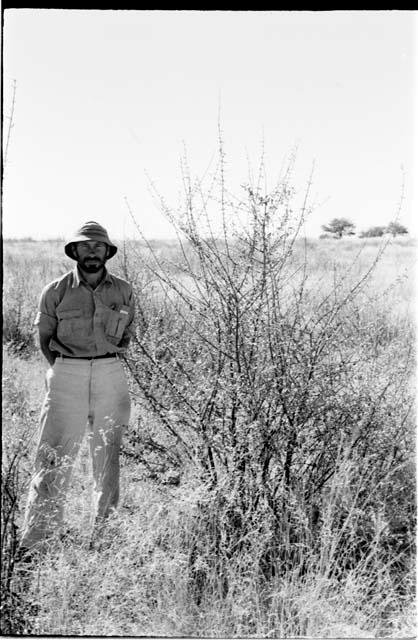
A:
90, 231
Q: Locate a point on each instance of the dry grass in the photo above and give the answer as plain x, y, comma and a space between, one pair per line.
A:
139, 580
137, 583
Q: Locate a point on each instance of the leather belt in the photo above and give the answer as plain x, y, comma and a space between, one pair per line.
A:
107, 355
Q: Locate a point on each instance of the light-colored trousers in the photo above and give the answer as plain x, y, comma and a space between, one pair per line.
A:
80, 394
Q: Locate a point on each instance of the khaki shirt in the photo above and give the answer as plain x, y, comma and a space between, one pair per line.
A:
83, 321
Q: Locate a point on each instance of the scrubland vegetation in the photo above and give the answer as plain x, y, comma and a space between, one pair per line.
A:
268, 478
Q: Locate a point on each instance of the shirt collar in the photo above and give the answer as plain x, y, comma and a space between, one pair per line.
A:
78, 278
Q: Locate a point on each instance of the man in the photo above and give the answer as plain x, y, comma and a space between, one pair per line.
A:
84, 322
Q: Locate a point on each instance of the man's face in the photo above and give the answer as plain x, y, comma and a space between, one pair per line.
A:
91, 255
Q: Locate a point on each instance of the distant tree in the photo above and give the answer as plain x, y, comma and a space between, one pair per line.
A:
396, 229
339, 227
373, 232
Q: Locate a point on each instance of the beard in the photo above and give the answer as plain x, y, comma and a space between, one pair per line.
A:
91, 265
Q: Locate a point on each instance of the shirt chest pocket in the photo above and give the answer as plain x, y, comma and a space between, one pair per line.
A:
116, 322
70, 321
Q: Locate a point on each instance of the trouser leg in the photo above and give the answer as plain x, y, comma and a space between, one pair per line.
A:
109, 414
62, 426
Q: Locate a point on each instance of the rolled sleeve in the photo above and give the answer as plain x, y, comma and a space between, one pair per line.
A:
46, 318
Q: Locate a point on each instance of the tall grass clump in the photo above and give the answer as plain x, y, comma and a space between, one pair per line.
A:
19, 423
15, 609
283, 395
27, 267
19, 312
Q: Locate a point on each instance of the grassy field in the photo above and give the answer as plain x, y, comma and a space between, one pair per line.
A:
174, 561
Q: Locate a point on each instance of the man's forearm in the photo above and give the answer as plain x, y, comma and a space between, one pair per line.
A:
44, 347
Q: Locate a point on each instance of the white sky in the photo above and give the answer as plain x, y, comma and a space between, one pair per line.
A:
105, 96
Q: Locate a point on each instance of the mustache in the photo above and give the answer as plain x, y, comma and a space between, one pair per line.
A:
93, 260
92, 265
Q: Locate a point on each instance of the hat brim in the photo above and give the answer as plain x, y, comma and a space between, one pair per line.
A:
68, 248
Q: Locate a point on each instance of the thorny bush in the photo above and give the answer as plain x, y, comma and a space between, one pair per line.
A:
274, 389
